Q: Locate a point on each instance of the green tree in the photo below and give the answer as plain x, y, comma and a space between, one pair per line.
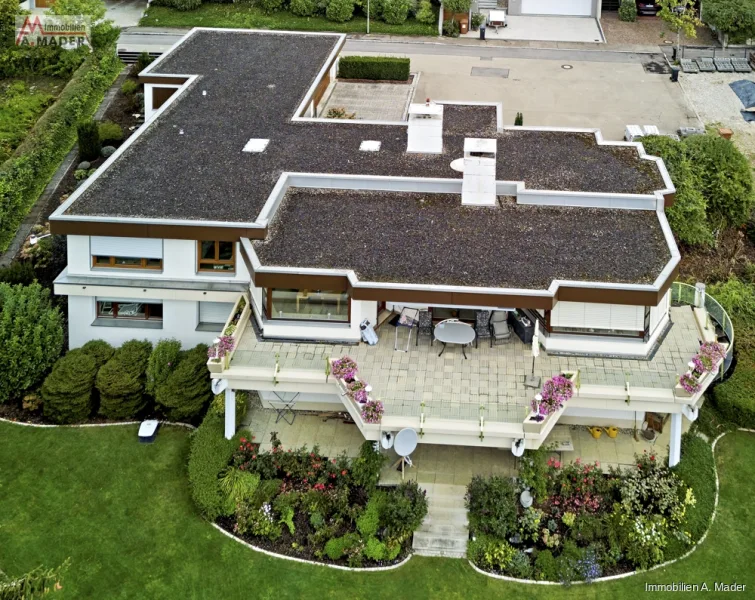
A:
67, 391
734, 18
457, 6
162, 361
8, 11
95, 9
679, 16
426, 14
186, 391
31, 337
121, 381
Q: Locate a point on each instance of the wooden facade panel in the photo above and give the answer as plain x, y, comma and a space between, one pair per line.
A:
160, 96
156, 230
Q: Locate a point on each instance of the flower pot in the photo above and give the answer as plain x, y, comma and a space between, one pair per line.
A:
215, 367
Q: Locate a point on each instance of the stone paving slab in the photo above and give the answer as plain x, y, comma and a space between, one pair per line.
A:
370, 101
492, 378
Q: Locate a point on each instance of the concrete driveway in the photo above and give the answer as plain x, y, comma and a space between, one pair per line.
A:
608, 95
546, 29
125, 13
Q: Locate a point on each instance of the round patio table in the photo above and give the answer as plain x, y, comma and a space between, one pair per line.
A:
454, 333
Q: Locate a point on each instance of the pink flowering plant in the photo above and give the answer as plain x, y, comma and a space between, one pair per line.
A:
344, 368
372, 411
222, 347
714, 351
556, 391
576, 487
357, 390
689, 383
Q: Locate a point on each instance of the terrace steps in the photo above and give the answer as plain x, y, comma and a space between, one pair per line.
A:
445, 531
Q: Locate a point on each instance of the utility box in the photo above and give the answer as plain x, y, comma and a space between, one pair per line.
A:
478, 185
425, 133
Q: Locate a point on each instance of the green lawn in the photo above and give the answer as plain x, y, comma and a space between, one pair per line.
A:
250, 17
21, 104
122, 512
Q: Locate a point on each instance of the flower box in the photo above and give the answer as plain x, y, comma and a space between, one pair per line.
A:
532, 425
215, 366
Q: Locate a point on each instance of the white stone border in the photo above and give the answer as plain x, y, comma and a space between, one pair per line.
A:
82, 425
310, 562
631, 573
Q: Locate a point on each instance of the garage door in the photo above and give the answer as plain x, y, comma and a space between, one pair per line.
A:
580, 8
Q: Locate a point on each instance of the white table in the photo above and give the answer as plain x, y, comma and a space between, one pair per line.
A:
454, 333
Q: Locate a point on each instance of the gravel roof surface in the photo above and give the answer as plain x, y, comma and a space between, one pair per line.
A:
254, 82
433, 239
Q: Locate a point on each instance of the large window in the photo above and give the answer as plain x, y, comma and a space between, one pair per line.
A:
121, 262
308, 305
126, 309
215, 256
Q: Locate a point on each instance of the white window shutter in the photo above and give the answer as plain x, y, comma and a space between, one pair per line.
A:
126, 247
215, 312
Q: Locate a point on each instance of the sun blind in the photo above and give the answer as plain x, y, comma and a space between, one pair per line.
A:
127, 247
215, 312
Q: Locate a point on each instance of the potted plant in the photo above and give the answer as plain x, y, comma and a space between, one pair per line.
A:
357, 390
219, 351
372, 411
344, 368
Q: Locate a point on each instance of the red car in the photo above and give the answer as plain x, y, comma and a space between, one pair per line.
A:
647, 7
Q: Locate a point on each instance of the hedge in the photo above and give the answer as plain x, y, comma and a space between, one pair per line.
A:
99, 350
121, 381
388, 68
67, 391
162, 361
209, 454
735, 397
24, 176
186, 391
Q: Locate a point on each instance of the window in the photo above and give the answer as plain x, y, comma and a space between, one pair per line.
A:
127, 309
308, 305
213, 315
121, 262
216, 256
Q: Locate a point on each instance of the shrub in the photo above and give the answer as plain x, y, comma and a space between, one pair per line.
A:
121, 381
369, 520
162, 362
67, 391
339, 11
110, 132
735, 18
395, 12
477, 20
99, 350
492, 506
546, 567
242, 405
520, 566
304, 8
186, 391
404, 509
490, 553
238, 486
130, 87
271, 6
335, 548
628, 11
88, 135
143, 61
31, 337
457, 6
376, 8
374, 549
425, 13
185, 4
209, 454
451, 28
19, 272
391, 68
338, 112
734, 397
519, 119
738, 299
365, 469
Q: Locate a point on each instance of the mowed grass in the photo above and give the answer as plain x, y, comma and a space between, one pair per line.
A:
21, 104
122, 512
245, 16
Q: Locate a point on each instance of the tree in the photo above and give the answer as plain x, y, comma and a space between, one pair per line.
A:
99, 350
186, 391
8, 11
162, 362
121, 381
31, 337
734, 18
67, 391
95, 9
680, 15
456, 6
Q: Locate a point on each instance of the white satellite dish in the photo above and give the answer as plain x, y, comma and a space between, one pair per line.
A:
219, 386
404, 444
517, 447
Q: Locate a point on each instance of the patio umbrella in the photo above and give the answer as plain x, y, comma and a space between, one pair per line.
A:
531, 380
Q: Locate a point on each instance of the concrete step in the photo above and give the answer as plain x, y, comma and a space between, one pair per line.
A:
450, 516
429, 544
444, 529
441, 553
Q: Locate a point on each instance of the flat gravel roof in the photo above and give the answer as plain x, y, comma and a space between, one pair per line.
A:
434, 239
189, 164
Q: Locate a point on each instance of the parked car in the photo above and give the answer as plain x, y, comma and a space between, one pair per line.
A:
647, 7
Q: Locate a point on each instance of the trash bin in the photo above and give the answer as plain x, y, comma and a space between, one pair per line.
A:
463, 28
674, 74
482, 31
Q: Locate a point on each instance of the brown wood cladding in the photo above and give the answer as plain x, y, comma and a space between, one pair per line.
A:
168, 79
668, 199
160, 96
320, 89
334, 283
156, 230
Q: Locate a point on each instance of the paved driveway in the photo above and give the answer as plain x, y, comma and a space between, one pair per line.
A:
546, 29
125, 13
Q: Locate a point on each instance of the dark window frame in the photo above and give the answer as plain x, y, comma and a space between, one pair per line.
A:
147, 316
112, 264
268, 307
216, 260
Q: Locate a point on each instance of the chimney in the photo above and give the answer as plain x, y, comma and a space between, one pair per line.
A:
425, 128
478, 185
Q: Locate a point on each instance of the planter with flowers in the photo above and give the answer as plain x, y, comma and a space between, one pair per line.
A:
701, 370
220, 357
219, 354
549, 403
346, 373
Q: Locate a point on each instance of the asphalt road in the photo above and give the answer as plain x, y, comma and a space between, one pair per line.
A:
151, 40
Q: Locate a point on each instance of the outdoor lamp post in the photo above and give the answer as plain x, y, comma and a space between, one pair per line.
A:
34, 240
368, 16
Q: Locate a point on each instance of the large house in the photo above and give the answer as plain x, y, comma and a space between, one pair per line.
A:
235, 209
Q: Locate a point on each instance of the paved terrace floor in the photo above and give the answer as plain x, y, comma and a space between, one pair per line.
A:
455, 388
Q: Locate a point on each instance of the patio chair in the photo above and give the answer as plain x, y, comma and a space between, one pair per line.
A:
425, 326
499, 326
482, 326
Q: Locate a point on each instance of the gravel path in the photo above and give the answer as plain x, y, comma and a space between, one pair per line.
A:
717, 104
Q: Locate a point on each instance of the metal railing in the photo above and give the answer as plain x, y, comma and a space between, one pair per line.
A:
685, 294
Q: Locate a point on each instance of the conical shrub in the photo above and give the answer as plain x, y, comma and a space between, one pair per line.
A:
67, 390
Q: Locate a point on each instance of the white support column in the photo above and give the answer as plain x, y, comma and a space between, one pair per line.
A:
675, 443
230, 413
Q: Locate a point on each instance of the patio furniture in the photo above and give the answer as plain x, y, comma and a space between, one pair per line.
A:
723, 65
499, 326
482, 326
741, 65
706, 65
408, 319
286, 411
404, 444
453, 331
425, 325
689, 65
523, 327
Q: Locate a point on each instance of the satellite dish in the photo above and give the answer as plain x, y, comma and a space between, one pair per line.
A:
517, 447
405, 442
219, 386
